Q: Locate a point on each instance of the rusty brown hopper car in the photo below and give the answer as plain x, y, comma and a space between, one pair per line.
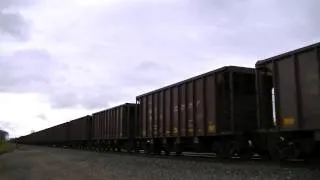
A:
80, 131
114, 127
296, 82
42, 137
59, 134
220, 102
32, 138
39, 137
271, 110
294, 77
27, 139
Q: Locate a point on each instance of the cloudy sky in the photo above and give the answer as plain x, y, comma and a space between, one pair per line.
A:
62, 59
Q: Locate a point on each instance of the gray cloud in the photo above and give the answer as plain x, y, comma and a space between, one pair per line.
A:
29, 70
42, 117
146, 73
89, 97
243, 28
120, 52
263, 28
12, 23
4, 4
182, 30
121, 88
169, 39
148, 65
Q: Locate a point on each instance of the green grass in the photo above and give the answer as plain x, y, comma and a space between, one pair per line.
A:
6, 147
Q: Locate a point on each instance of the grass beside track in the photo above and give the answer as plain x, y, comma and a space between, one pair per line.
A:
6, 147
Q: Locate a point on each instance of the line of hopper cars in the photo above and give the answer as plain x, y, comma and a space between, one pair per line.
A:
272, 109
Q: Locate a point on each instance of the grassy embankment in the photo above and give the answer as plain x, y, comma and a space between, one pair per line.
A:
6, 147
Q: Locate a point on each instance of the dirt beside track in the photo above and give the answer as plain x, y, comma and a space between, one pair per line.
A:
41, 163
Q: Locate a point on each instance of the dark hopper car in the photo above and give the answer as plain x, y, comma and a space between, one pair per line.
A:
80, 130
293, 120
272, 109
113, 128
210, 112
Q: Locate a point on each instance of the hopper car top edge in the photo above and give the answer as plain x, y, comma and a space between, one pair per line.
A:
289, 53
75, 119
224, 68
79, 118
113, 107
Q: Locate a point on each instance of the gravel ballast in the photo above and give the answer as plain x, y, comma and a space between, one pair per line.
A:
31, 162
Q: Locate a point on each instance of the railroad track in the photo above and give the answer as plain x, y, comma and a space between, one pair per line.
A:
212, 158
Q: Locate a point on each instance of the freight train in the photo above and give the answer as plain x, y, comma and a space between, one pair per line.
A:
272, 109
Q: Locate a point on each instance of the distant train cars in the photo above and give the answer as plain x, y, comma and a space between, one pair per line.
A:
272, 109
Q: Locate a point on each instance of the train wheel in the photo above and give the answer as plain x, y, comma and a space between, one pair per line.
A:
296, 150
158, 151
240, 150
177, 149
219, 149
166, 152
126, 148
146, 148
234, 149
278, 152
